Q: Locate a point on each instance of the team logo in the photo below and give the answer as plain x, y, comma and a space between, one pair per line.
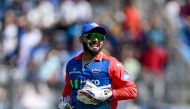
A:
95, 71
126, 76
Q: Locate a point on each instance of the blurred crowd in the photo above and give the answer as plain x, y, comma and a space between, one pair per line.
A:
38, 37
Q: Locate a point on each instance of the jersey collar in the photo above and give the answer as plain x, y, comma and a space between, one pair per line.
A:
98, 57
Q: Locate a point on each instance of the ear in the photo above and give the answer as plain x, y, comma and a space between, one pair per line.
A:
81, 39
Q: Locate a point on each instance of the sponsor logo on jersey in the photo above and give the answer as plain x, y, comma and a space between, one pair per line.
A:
126, 76
74, 71
94, 81
119, 65
78, 83
95, 71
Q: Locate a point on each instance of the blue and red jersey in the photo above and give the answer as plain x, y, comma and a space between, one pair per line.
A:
102, 71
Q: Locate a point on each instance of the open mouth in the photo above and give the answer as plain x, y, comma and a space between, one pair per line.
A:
94, 45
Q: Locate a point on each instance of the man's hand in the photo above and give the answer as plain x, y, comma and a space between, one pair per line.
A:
84, 98
65, 103
91, 94
97, 94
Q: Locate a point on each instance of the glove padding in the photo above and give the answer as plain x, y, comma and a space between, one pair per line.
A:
97, 94
85, 99
91, 94
65, 103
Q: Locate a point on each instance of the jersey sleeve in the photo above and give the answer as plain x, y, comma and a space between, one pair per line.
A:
122, 84
67, 89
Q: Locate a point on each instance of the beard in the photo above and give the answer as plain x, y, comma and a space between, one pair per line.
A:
91, 50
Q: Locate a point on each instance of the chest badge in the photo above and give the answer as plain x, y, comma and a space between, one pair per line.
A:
95, 71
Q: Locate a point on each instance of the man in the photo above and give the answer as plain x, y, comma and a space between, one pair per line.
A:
95, 80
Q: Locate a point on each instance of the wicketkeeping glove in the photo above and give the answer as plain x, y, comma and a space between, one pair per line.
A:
95, 94
84, 98
98, 94
65, 103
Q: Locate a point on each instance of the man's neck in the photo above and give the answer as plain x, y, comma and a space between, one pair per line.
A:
88, 57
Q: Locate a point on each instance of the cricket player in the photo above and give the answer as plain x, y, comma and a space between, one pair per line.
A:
95, 80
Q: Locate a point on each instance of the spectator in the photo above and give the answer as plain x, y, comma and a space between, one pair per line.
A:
154, 59
132, 21
185, 9
28, 41
9, 40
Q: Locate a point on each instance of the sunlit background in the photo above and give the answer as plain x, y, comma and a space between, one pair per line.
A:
150, 37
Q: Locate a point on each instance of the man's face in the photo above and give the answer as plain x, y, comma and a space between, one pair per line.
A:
92, 46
